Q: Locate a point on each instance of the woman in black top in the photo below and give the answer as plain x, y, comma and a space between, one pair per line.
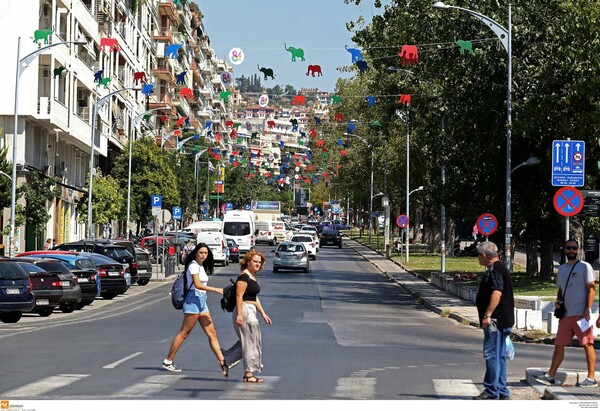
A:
245, 319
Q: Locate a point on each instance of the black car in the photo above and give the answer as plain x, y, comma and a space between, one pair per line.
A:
111, 274
332, 237
46, 287
72, 295
144, 265
234, 251
16, 296
116, 252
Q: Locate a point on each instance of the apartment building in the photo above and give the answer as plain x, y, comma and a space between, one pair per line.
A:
126, 43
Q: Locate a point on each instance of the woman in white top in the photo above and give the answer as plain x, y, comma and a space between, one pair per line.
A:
199, 264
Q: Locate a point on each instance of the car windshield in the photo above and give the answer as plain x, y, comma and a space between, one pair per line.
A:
294, 248
12, 271
116, 252
330, 232
31, 268
55, 266
236, 228
102, 259
85, 263
302, 239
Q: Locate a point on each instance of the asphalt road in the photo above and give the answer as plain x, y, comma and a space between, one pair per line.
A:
342, 331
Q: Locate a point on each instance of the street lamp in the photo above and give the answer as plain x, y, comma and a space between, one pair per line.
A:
135, 121
504, 35
531, 161
364, 140
22, 64
97, 105
408, 215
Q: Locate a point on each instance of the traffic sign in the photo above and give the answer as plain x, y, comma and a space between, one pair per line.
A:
568, 201
156, 204
568, 163
216, 197
487, 224
591, 203
177, 213
402, 221
163, 217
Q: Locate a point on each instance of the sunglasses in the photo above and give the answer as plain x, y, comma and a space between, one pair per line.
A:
571, 248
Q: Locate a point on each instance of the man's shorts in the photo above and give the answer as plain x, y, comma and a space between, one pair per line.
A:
195, 303
568, 327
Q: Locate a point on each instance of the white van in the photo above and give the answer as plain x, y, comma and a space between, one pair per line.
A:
207, 225
239, 225
266, 232
217, 243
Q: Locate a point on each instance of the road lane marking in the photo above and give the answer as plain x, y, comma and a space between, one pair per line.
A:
121, 361
355, 388
250, 391
150, 385
455, 389
44, 385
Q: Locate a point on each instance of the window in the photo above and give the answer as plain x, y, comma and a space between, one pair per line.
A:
236, 228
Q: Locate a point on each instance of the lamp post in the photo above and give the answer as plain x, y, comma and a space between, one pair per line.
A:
504, 35
408, 215
364, 140
22, 64
530, 162
97, 105
135, 121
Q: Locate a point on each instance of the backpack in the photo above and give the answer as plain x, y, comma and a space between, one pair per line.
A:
179, 290
228, 301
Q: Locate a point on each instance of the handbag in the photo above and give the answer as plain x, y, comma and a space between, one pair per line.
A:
560, 311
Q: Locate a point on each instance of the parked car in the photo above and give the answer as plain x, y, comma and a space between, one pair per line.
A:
46, 287
144, 275
84, 269
116, 252
72, 296
234, 251
16, 296
157, 251
291, 255
144, 265
311, 230
332, 237
309, 243
266, 232
111, 274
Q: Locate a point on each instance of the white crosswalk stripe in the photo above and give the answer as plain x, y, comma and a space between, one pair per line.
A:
355, 388
150, 385
455, 389
250, 391
44, 386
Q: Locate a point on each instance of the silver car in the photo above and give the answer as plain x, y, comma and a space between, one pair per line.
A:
292, 256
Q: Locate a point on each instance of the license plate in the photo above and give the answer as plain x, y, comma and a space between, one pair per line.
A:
83, 280
113, 273
42, 302
12, 291
142, 271
65, 284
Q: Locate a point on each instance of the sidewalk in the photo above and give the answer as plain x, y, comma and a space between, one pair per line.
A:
442, 302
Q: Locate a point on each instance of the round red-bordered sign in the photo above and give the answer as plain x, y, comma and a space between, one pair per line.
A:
487, 224
402, 221
568, 201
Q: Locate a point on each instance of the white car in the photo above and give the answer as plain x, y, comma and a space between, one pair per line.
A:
309, 243
309, 229
217, 243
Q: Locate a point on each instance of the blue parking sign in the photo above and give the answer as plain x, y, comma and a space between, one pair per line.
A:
177, 213
156, 201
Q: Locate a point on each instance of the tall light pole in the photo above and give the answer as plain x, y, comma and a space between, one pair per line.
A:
408, 215
97, 105
135, 122
504, 35
364, 140
22, 64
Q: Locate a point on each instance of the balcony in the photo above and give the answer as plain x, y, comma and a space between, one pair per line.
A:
163, 34
167, 8
159, 101
163, 71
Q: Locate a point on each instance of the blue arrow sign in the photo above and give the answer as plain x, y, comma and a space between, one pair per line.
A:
568, 163
177, 213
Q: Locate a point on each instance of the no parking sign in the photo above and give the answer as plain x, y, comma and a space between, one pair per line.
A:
402, 221
568, 201
487, 224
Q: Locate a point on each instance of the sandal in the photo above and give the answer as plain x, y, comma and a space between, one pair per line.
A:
224, 368
252, 379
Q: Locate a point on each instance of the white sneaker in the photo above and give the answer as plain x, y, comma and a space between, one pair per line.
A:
171, 367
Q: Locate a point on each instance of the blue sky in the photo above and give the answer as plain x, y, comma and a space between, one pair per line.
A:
261, 27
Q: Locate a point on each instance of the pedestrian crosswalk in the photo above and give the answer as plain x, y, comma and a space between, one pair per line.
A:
173, 385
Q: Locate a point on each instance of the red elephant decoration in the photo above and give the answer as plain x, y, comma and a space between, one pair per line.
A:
229, 123
314, 69
409, 55
299, 101
404, 99
270, 124
338, 118
186, 92
140, 76
180, 122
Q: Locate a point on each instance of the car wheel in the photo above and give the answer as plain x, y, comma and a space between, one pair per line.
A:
275, 269
340, 246
11, 317
107, 295
272, 242
143, 281
305, 269
227, 262
67, 307
45, 312
80, 305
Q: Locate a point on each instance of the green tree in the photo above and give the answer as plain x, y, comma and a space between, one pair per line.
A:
108, 200
38, 191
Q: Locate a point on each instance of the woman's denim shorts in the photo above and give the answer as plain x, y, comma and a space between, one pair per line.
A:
195, 303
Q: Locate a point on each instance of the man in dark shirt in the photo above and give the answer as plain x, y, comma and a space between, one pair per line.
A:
495, 306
